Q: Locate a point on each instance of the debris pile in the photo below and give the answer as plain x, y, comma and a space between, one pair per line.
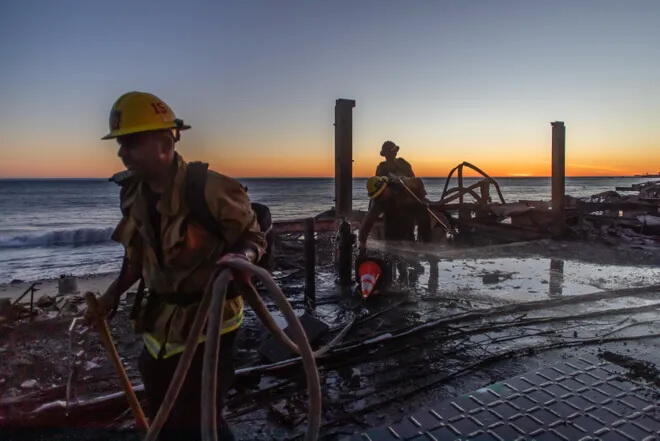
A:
617, 219
461, 341
45, 307
648, 191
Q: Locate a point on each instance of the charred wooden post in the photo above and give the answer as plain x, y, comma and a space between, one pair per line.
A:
344, 157
485, 192
482, 209
32, 303
558, 173
310, 266
434, 274
463, 211
345, 240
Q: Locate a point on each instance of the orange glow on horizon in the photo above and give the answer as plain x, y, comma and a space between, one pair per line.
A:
319, 162
309, 168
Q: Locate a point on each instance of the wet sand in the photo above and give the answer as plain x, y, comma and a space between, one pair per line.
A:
93, 282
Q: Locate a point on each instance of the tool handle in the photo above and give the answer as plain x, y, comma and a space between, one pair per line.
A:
104, 333
446, 227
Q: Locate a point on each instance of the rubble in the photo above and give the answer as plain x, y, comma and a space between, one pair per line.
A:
637, 368
70, 306
288, 412
29, 384
372, 370
89, 365
45, 301
463, 337
631, 220
6, 311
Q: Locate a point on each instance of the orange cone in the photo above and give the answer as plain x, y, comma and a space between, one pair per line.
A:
369, 272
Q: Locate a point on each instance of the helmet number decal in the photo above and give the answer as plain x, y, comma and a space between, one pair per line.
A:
159, 107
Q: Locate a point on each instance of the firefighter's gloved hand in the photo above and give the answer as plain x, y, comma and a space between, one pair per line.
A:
238, 275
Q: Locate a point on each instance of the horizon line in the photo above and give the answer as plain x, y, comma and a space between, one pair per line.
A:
36, 178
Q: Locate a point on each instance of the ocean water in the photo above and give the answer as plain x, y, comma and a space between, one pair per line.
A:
50, 227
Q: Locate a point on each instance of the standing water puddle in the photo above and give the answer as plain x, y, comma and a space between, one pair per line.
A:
526, 279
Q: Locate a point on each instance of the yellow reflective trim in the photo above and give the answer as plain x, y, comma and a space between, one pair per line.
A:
153, 345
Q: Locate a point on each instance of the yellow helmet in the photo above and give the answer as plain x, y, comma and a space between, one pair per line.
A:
136, 112
376, 185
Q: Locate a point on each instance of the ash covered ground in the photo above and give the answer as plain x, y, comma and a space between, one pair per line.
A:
456, 319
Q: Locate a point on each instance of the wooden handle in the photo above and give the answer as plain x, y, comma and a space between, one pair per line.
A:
104, 333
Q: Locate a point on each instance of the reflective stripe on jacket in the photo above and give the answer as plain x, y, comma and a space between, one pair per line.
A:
178, 260
156, 349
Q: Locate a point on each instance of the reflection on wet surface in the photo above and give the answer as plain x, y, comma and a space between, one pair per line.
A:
433, 287
395, 359
556, 277
514, 280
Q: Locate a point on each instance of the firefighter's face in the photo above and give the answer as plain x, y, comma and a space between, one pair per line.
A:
391, 154
147, 153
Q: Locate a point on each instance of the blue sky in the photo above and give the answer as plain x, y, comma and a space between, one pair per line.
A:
257, 80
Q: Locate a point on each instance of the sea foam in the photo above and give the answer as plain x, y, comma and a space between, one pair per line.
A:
80, 236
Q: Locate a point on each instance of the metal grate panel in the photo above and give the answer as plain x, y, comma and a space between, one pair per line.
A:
577, 400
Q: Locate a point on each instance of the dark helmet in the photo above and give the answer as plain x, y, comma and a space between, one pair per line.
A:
388, 147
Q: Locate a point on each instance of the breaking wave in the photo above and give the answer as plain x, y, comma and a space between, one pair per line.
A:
79, 236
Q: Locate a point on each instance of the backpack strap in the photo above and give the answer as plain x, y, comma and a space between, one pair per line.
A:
200, 211
196, 199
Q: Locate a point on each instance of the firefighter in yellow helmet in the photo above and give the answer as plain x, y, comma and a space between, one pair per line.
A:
174, 254
376, 185
400, 211
136, 112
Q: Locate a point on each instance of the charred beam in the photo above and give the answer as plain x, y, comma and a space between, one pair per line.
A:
344, 157
558, 173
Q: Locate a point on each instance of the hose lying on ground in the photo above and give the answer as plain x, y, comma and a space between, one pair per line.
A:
211, 306
254, 300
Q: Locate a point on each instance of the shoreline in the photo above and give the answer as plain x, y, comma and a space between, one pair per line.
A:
585, 252
90, 282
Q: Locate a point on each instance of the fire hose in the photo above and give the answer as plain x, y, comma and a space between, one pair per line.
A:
211, 307
450, 230
255, 302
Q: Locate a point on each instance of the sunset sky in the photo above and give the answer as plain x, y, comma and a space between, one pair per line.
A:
478, 81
